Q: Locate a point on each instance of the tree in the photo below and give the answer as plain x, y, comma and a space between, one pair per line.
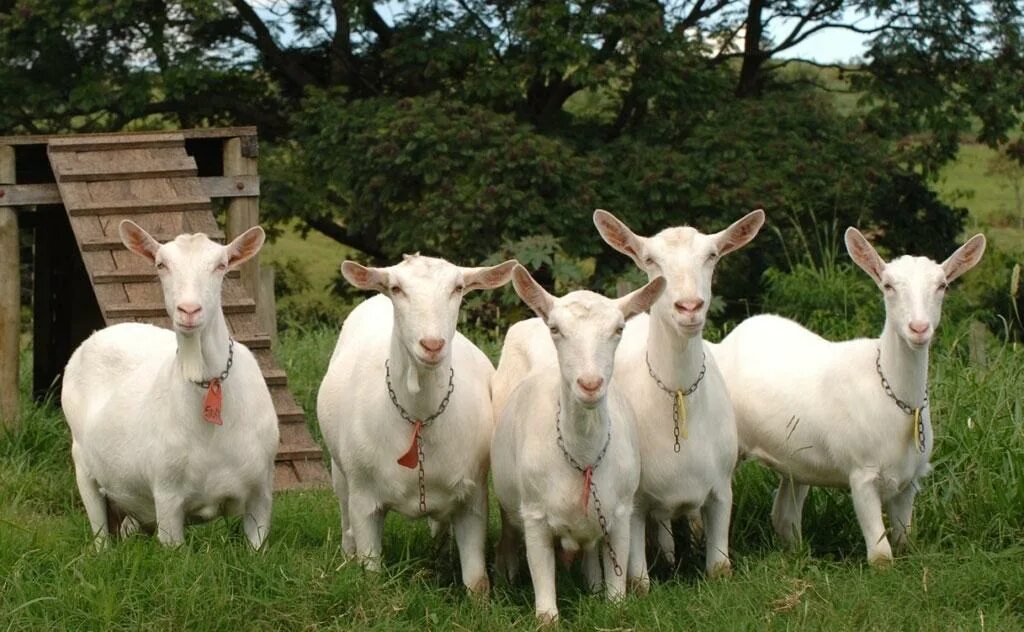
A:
457, 126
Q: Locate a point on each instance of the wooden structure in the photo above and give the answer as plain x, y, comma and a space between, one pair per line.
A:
80, 188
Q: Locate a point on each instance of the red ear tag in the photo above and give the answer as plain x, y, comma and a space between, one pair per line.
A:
212, 403
412, 457
588, 474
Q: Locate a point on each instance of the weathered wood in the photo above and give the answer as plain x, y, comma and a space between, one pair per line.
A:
10, 300
197, 133
126, 164
213, 186
137, 276
85, 142
243, 213
266, 309
158, 309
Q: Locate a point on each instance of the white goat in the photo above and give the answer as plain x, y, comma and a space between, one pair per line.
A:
565, 458
147, 437
686, 424
696, 477
850, 414
401, 374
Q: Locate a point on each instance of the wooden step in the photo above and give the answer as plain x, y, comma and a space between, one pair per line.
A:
180, 203
289, 453
275, 377
139, 276
132, 310
114, 243
123, 164
254, 341
123, 141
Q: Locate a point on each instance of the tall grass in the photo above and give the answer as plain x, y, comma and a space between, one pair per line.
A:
965, 569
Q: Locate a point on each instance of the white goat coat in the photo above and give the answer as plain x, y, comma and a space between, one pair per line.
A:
366, 434
138, 430
815, 410
533, 480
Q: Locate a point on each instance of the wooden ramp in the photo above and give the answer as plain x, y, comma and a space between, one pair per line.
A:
150, 179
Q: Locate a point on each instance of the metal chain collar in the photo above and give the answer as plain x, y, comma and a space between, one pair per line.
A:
677, 393
602, 521
915, 413
423, 422
227, 369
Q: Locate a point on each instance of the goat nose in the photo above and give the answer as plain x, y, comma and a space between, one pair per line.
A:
190, 309
919, 326
590, 383
433, 345
689, 306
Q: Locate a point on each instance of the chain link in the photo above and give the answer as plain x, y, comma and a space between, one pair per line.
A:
227, 369
673, 392
915, 413
602, 521
423, 422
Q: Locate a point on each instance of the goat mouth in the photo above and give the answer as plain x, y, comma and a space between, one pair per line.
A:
589, 398
186, 328
429, 361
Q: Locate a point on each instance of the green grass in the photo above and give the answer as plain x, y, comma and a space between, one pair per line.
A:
967, 182
966, 569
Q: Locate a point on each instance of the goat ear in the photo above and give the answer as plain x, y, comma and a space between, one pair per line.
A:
488, 278
245, 246
531, 292
618, 235
864, 254
740, 233
966, 257
137, 240
363, 277
640, 301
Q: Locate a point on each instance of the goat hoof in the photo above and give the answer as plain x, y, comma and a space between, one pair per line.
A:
640, 585
547, 618
722, 570
480, 589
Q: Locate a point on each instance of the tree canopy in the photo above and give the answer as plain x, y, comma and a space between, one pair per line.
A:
459, 127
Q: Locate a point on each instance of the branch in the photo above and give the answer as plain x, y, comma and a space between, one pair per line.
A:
338, 233
480, 22
268, 47
376, 23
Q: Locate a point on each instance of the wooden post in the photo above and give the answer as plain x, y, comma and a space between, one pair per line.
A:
266, 310
244, 212
10, 299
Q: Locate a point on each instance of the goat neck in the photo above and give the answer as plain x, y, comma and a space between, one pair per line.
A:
420, 389
905, 368
675, 357
204, 354
584, 430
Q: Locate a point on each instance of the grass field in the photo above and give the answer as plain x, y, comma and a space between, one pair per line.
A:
966, 569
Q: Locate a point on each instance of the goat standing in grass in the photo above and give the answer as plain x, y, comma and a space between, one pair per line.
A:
850, 414
405, 408
174, 426
565, 455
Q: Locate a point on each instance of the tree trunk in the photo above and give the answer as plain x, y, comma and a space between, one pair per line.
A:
749, 84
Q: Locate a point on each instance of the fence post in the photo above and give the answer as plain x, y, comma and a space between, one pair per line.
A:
243, 212
10, 299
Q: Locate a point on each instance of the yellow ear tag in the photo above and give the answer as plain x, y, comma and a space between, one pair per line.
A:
681, 412
918, 430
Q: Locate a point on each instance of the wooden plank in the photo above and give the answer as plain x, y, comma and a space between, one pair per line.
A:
254, 340
275, 377
243, 213
128, 164
48, 193
287, 453
85, 142
311, 471
287, 409
10, 301
295, 436
204, 132
28, 194
157, 309
149, 275
285, 476
166, 205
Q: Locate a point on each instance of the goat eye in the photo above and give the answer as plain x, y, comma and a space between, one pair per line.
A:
649, 261
459, 288
222, 266
712, 256
395, 289
619, 330
943, 286
554, 330
887, 287
160, 265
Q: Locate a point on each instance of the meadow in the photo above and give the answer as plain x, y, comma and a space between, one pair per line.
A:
965, 569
